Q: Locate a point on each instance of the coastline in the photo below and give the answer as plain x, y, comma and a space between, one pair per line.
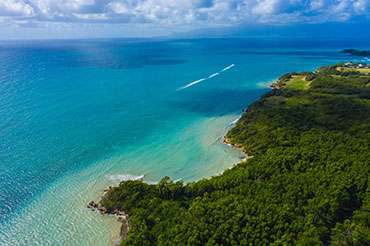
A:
123, 217
173, 203
227, 141
82, 159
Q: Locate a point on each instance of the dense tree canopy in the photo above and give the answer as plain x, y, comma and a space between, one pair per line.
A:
307, 184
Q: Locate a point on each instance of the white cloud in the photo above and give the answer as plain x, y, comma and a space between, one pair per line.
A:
91, 16
15, 8
184, 12
118, 7
55, 7
316, 4
265, 7
361, 6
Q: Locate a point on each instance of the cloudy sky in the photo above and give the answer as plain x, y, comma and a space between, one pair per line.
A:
129, 18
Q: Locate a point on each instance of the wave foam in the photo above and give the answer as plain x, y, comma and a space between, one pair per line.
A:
125, 177
236, 121
266, 84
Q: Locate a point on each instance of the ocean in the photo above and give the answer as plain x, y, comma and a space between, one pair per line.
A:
79, 115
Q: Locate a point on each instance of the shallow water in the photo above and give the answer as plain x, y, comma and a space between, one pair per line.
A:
77, 116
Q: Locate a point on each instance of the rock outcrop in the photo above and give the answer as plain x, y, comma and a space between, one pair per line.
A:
122, 216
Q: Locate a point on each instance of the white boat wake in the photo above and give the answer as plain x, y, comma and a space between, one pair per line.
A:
227, 68
192, 83
209, 77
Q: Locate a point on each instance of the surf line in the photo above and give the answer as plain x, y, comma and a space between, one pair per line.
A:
209, 77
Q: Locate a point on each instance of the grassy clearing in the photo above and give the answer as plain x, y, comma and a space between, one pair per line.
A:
298, 82
349, 69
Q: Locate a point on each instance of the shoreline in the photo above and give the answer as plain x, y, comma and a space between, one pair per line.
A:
121, 217
227, 141
171, 211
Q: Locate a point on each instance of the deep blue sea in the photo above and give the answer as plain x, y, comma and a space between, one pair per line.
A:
79, 115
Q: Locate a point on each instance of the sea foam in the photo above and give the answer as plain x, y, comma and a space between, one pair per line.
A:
236, 121
125, 177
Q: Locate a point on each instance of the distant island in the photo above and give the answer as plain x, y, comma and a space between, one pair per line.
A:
354, 52
307, 183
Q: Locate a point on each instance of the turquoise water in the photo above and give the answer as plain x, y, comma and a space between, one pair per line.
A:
77, 116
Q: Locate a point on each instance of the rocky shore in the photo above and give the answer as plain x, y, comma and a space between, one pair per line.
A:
122, 217
275, 86
227, 141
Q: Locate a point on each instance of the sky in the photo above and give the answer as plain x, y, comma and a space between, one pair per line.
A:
40, 19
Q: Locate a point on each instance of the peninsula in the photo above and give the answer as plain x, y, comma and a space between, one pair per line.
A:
308, 182
353, 52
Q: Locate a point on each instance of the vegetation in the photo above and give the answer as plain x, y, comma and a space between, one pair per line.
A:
307, 184
353, 52
296, 81
349, 69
